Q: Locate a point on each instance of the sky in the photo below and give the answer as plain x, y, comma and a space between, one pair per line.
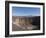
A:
25, 11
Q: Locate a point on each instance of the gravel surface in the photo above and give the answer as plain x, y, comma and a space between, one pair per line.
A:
24, 27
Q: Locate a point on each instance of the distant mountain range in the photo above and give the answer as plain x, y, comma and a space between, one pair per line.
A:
25, 16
